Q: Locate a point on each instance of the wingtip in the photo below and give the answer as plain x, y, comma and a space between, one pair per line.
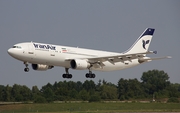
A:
168, 57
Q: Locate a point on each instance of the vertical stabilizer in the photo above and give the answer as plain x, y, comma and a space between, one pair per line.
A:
142, 43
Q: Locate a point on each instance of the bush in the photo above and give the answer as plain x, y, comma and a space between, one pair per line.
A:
122, 98
173, 100
40, 99
95, 98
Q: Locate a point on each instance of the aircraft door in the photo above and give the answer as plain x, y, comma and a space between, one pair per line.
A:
31, 51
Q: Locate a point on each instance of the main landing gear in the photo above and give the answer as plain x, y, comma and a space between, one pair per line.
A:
90, 75
67, 75
26, 69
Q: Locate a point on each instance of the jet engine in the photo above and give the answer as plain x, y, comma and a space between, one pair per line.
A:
79, 64
41, 67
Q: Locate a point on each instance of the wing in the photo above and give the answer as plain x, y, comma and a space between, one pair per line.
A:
150, 59
97, 62
119, 58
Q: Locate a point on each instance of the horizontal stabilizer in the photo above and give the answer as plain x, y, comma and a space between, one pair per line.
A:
150, 59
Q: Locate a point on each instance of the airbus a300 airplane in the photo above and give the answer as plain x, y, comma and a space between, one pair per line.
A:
46, 56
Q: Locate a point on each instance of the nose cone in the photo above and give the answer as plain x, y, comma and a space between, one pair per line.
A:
15, 53
10, 51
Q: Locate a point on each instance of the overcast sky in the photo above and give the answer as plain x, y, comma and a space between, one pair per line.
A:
111, 25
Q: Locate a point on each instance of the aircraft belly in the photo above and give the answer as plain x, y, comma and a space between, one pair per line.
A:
48, 59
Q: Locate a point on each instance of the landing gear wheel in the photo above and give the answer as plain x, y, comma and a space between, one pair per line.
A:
93, 75
90, 75
87, 75
64, 75
26, 69
67, 76
70, 76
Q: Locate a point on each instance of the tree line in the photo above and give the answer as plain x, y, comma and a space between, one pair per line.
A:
154, 83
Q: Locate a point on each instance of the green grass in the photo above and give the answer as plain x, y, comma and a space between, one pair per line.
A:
90, 107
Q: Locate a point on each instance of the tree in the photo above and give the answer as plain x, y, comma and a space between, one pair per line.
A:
134, 89
62, 91
79, 86
84, 95
1, 92
35, 90
26, 93
20, 93
122, 88
6, 94
154, 81
48, 94
129, 89
73, 94
173, 90
16, 93
55, 86
108, 92
89, 85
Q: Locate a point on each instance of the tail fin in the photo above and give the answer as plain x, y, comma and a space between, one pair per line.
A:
142, 43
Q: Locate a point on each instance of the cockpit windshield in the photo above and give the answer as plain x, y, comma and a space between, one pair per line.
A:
19, 47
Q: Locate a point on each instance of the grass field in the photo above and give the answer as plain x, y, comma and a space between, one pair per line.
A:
90, 107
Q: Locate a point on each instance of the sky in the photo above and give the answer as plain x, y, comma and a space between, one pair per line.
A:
110, 25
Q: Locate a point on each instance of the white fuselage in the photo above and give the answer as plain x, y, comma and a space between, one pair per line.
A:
54, 55
46, 56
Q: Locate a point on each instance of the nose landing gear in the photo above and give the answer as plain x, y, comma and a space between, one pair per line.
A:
26, 69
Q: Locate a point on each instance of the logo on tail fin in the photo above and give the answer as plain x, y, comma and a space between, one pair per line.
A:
144, 43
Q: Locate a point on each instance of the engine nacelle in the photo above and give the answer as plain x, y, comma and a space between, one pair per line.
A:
41, 67
79, 64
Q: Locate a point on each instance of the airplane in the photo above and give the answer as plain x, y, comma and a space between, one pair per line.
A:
45, 56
